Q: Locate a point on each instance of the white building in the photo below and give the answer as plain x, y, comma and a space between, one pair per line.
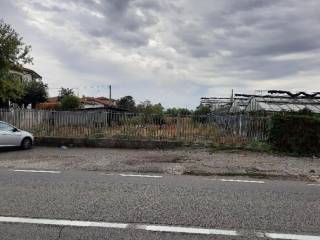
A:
25, 74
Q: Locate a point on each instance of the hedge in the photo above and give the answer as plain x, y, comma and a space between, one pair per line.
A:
298, 134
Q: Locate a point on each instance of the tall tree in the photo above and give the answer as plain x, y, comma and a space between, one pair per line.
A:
63, 92
13, 52
127, 103
149, 108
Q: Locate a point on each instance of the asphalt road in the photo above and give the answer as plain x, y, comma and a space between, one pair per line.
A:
39, 205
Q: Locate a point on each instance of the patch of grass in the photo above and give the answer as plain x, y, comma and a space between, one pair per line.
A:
259, 146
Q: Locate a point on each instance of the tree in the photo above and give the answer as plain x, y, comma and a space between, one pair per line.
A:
185, 112
202, 110
70, 102
63, 92
201, 114
178, 112
148, 108
10, 88
141, 107
34, 92
127, 103
154, 109
13, 52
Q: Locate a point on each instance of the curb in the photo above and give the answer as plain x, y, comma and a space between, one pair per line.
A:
106, 143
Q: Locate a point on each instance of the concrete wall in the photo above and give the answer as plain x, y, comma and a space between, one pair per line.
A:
106, 143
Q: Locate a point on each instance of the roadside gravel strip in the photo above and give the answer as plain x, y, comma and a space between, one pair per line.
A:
157, 228
171, 162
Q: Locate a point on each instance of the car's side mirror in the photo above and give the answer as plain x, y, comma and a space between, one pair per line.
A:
15, 130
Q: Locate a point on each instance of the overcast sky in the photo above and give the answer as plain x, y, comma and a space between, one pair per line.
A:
173, 52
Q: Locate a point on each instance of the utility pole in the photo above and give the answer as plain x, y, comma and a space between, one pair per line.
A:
110, 92
231, 99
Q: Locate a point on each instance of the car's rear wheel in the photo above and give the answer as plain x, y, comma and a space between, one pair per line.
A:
26, 143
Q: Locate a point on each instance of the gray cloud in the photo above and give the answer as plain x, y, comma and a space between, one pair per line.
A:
209, 46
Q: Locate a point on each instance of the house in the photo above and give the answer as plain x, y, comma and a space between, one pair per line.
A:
99, 102
87, 103
25, 74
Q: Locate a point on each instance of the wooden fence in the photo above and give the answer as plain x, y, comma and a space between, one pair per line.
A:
104, 124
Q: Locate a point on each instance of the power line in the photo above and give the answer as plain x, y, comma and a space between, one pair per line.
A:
84, 87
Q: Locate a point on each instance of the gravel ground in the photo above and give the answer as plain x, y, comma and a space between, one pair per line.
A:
179, 161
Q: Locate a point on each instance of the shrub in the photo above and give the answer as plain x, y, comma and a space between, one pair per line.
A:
70, 102
295, 133
200, 115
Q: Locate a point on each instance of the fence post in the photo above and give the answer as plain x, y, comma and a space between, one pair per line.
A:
178, 127
240, 125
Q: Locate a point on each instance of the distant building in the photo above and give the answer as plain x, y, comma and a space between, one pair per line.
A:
25, 74
239, 105
282, 104
99, 102
217, 104
276, 101
87, 103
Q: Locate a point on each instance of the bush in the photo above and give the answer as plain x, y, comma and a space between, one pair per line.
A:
200, 115
70, 102
295, 133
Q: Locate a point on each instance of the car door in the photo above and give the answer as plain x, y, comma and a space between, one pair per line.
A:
9, 137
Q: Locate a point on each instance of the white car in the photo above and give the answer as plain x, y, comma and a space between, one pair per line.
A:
10, 136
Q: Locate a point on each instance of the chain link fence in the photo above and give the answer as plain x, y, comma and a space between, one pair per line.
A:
105, 124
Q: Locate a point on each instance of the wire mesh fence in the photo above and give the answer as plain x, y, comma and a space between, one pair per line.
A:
105, 124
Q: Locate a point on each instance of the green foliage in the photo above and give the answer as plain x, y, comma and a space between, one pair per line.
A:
202, 110
10, 87
201, 114
13, 52
127, 103
295, 133
155, 109
63, 92
178, 112
70, 102
147, 107
35, 91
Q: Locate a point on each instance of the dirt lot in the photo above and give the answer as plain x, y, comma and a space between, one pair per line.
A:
181, 161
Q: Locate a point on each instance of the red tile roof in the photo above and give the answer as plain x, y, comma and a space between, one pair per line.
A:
89, 101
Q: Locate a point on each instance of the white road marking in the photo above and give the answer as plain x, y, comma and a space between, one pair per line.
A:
190, 230
314, 184
235, 180
138, 175
291, 236
35, 171
155, 228
72, 223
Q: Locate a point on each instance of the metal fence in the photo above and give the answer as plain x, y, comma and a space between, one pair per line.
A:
104, 124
